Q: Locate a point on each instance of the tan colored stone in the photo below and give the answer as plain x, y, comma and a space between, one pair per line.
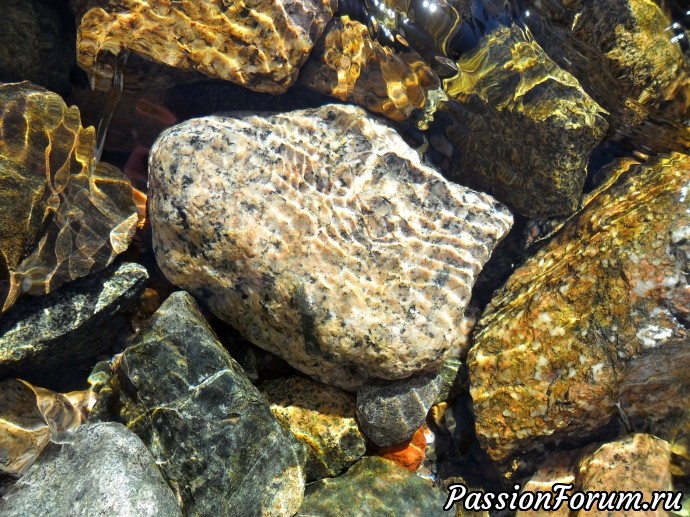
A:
321, 236
63, 216
602, 300
260, 44
351, 66
323, 418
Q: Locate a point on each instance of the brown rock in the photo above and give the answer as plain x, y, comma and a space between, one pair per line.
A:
260, 44
351, 66
63, 216
323, 418
597, 313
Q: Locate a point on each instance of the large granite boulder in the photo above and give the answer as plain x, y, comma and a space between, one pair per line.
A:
321, 237
259, 44
218, 444
41, 338
595, 324
98, 470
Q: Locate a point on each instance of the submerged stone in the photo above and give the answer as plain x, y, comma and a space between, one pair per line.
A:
321, 417
348, 64
374, 487
603, 308
42, 338
260, 45
218, 444
321, 237
96, 470
63, 216
522, 128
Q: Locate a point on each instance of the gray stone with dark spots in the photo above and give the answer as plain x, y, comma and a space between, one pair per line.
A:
389, 413
97, 470
218, 444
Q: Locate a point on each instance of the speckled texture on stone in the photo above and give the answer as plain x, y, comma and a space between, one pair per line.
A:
350, 65
259, 44
524, 129
98, 470
321, 237
389, 413
38, 336
373, 487
608, 294
638, 462
213, 434
320, 416
62, 216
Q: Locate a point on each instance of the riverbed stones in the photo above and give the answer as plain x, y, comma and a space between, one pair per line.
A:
375, 487
587, 319
62, 215
259, 44
389, 413
218, 444
323, 418
321, 237
96, 470
521, 127
42, 337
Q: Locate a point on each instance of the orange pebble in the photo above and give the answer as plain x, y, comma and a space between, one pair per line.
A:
408, 455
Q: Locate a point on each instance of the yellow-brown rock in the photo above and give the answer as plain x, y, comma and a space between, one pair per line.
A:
323, 418
260, 44
63, 216
351, 66
30, 417
522, 128
605, 302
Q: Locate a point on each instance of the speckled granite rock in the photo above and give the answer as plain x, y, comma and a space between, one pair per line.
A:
219, 446
389, 413
597, 307
321, 237
320, 416
260, 44
97, 470
374, 487
524, 128
63, 216
30, 417
351, 66
639, 462
36, 44
40, 337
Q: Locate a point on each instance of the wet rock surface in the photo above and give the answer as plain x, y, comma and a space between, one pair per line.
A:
209, 429
259, 44
595, 306
389, 413
321, 417
97, 470
342, 253
63, 216
42, 338
375, 487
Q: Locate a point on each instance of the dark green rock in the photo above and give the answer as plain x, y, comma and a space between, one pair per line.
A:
40, 337
97, 470
218, 444
373, 487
